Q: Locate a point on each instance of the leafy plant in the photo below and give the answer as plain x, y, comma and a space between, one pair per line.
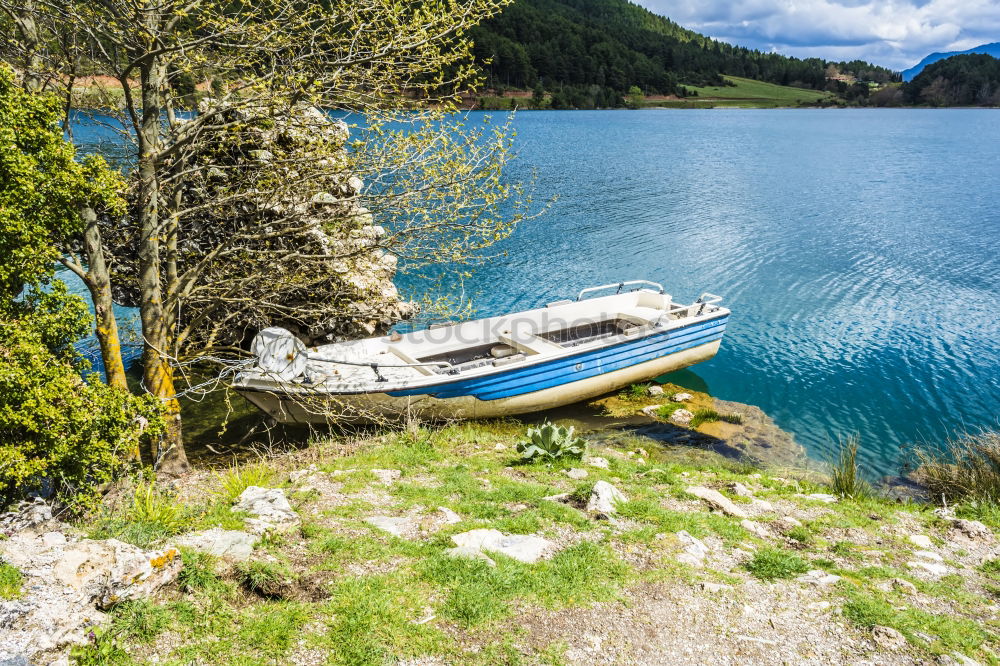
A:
847, 480
551, 442
151, 507
773, 563
10, 581
238, 478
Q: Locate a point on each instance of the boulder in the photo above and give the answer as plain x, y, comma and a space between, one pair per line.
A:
717, 500
526, 548
604, 499
231, 545
269, 507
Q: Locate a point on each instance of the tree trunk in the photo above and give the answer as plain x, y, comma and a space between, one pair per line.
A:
99, 283
158, 374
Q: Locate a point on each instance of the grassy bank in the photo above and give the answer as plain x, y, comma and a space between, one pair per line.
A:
338, 589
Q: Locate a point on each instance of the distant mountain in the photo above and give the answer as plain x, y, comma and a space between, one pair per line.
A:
989, 49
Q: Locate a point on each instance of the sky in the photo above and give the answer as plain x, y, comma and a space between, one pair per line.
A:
892, 33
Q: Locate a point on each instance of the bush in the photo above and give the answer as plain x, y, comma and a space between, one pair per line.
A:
773, 563
966, 468
550, 442
59, 434
847, 480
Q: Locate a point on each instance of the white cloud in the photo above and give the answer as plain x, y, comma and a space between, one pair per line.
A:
894, 33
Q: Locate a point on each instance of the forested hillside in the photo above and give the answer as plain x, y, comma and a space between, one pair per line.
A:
598, 49
962, 80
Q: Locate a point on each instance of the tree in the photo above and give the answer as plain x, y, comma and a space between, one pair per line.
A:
437, 187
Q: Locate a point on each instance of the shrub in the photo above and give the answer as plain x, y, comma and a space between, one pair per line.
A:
847, 480
238, 478
551, 442
60, 434
966, 468
773, 563
10, 581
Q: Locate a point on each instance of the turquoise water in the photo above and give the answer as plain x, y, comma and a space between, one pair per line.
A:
858, 250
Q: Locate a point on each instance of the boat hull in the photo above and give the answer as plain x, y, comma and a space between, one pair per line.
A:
508, 394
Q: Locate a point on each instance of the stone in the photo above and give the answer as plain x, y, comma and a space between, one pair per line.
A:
933, 568
928, 555
576, 473
819, 578
681, 397
269, 507
902, 585
973, 530
888, 638
681, 417
526, 548
695, 551
597, 461
740, 490
717, 500
450, 517
387, 476
604, 499
468, 551
754, 528
921, 540
654, 390
231, 545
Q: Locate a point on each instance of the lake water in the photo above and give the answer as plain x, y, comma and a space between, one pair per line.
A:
857, 249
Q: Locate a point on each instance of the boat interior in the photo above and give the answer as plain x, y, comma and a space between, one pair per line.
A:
479, 345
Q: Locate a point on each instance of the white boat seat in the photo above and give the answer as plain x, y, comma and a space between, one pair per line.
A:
529, 343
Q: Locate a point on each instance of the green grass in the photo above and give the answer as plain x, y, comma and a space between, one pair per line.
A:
770, 564
10, 581
749, 93
947, 632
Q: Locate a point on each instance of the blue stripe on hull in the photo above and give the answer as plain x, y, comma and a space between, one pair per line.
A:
521, 380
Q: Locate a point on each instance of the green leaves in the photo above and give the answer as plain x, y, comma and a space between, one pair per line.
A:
550, 442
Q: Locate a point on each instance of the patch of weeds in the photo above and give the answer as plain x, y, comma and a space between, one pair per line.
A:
198, 572
770, 564
266, 579
847, 480
140, 620
101, 649
478, 593
950, 632
238, 478
10, 581
371, 622
801, 534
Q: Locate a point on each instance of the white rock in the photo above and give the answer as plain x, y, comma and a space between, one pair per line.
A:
526, 548
576, 473
818, 577
387, 476
228, 544
921, 540
604, 499
270, 509
681, 417
934, 568
928, 555
397, 526
597, 461
654, 390
681, 397
717, 500
755, 528
695, 551
450, 517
